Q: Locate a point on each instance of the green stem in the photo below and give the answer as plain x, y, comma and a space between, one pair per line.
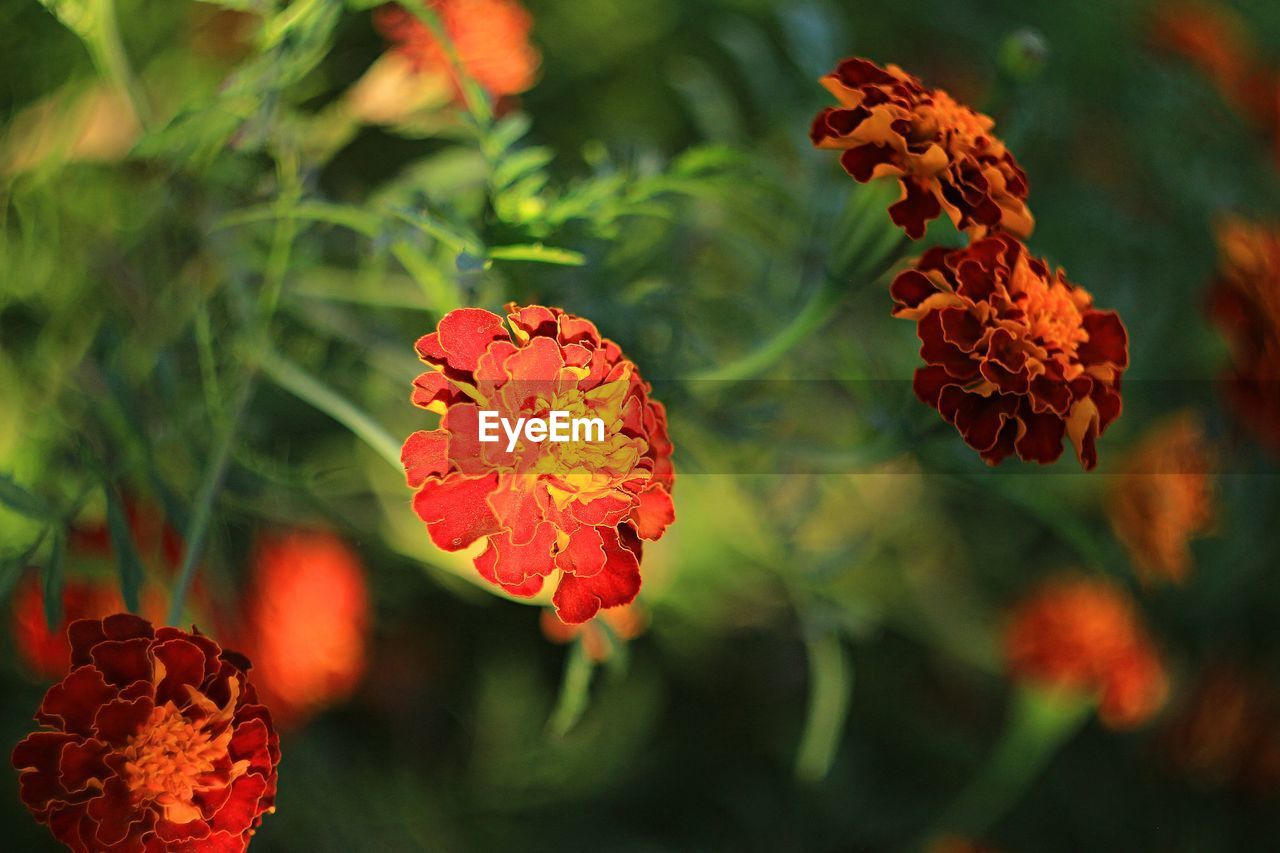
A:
830, 685
108, 54
1041, 722
306, 387
203, 514
575, 691
472, 94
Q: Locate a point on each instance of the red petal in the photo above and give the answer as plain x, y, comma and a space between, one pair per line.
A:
425, 454
120, 719
456, 510
123, 661
466, 333
584, 555
578, 599
653, 513
72, 703
485, 563
1108, 339
517, 562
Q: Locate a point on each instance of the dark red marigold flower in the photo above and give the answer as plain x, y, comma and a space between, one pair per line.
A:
572, 512
1016, 356
943, 153
154, 741
1246, 305
1164, 498
307, 622
1083, 635
491, 38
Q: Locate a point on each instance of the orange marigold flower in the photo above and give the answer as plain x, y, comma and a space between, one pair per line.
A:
1246, 305
153, 741
1082, 634
1016, 356
307, 622
625, 623
943, 153
1164, 498
1210, 36
575, 512
491, 38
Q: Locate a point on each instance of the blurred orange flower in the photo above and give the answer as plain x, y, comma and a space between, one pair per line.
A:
94, 596
942, 152
1246, 304
307, 622
1227, 733
1164, 498
1016, 357
1218, 42
573, 512
1083, 635
154, 741
625, 623
491, 38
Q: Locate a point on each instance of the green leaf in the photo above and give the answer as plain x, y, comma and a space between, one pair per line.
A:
520, 164
538, 253
127, 560
360, 221
508, 131
23, 502
53, 581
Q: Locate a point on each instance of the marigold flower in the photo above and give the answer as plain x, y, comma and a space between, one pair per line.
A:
1228, 731
625, 623
942, 152
491, 38
1082, 634
1246, 305
1016, 356
575, 512
307, 622
153, 741
1164, 498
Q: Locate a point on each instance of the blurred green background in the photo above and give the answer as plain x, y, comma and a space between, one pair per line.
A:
820, 504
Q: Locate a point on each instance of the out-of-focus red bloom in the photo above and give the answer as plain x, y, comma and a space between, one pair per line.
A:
46, 652
154, 741
307, 622
959, 844
1246, 305
1217, 41
1227, 734
625, 623
1015, 355
575, 512
1164, 498
1083, 635
491, 38
943, 153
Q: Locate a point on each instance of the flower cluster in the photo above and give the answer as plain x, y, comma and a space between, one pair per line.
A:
1082, 635
1015, 355
1246, 305
491, 38
154, 741
1163, 498
942, 152
575, 513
